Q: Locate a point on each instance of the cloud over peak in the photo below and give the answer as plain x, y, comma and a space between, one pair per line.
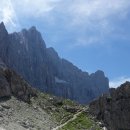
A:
34, 8
7, 13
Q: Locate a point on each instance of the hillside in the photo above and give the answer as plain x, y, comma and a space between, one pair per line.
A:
24, 108
48, 116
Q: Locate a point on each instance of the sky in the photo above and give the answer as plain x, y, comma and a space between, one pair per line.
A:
92, 34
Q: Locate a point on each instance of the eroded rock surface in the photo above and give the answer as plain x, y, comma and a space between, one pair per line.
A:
13, 84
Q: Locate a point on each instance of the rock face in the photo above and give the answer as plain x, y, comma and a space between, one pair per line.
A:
26, 53
114, 109
13, 84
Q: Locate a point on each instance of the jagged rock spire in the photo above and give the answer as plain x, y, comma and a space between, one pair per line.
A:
2, 28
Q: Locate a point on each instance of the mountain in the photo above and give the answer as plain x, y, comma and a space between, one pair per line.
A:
114, 109
27, 54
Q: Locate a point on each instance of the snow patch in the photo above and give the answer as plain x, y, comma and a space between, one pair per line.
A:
57, 80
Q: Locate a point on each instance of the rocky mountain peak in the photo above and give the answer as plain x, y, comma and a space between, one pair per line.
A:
3, 31
24, 31
2, 26
33, 36
99, 72
33, 28
33, 31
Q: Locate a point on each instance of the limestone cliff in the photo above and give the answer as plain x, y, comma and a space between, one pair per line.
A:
26, 53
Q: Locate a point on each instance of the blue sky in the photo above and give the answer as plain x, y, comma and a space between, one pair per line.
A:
92, 34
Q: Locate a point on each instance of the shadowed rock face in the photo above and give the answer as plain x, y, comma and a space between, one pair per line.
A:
26, 53
114, 109
13, 84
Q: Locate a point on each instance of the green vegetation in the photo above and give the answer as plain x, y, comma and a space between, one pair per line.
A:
82, 122
63, 110
69, 102
56, 107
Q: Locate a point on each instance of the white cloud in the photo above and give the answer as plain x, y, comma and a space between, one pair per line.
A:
8, 16
77, 12
34, 8
118, 81
86, 10
12, 10
86, 41
96, 16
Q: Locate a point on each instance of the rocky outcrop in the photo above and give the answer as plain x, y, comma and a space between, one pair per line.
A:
26, 53
13, 84
114, 109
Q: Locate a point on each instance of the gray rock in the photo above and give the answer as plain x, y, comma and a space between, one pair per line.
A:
5, 106
13, 84
114, 109
1, 108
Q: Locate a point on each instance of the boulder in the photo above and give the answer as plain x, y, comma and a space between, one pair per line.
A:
13, 84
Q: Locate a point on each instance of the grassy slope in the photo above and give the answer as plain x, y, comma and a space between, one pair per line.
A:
56, 108
82, 122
